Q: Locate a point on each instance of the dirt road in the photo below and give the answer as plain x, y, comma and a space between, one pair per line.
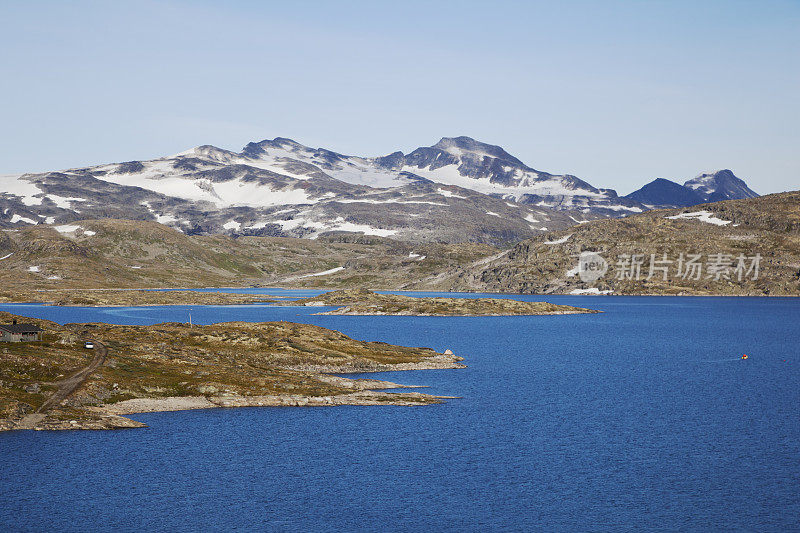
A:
68, 385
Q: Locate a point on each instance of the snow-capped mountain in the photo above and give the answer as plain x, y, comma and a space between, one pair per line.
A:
457, 190
459, 161
489, 169
277, 188
720, 185
288, 156
709, 187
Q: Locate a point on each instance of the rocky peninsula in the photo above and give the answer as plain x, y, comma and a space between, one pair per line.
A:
59, 384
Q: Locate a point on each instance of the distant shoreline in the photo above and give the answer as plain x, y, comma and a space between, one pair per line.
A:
330, 289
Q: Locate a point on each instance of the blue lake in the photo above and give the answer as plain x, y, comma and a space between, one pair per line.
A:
642, 417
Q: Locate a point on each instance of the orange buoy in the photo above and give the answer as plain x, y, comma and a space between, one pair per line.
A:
744, 356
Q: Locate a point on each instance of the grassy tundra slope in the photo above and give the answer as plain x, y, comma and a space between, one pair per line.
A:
769, 226
128, 254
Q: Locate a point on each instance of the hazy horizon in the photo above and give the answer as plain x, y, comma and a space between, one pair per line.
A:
617, 94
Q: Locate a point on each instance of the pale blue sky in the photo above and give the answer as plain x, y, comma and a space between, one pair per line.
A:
615, 92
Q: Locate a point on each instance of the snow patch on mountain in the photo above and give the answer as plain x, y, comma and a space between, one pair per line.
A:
387, 201
632, 209
73, 228
323, 273
66, 228
159, 177
449, 194
450, 175
160, 218
702, 182
359, 172
702, 216
18, 218
64, 202
18, 185
280, 153
338, 224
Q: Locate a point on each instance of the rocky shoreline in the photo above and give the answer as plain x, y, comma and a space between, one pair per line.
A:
112, 416
347, 311
185, 403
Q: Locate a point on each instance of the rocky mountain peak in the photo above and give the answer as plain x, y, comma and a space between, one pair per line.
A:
205, 150
460, 146
720, 185
662, 192
256, 149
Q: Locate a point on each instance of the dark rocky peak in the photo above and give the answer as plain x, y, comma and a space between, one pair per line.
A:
721, 185
665, 193
129, 167
394, 160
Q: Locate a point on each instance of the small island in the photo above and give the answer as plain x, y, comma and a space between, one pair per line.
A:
59, 383
361, 302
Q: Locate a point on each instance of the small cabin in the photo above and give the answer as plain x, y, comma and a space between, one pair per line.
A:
20, 332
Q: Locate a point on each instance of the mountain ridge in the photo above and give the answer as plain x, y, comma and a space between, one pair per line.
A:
456, 189
715, 186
